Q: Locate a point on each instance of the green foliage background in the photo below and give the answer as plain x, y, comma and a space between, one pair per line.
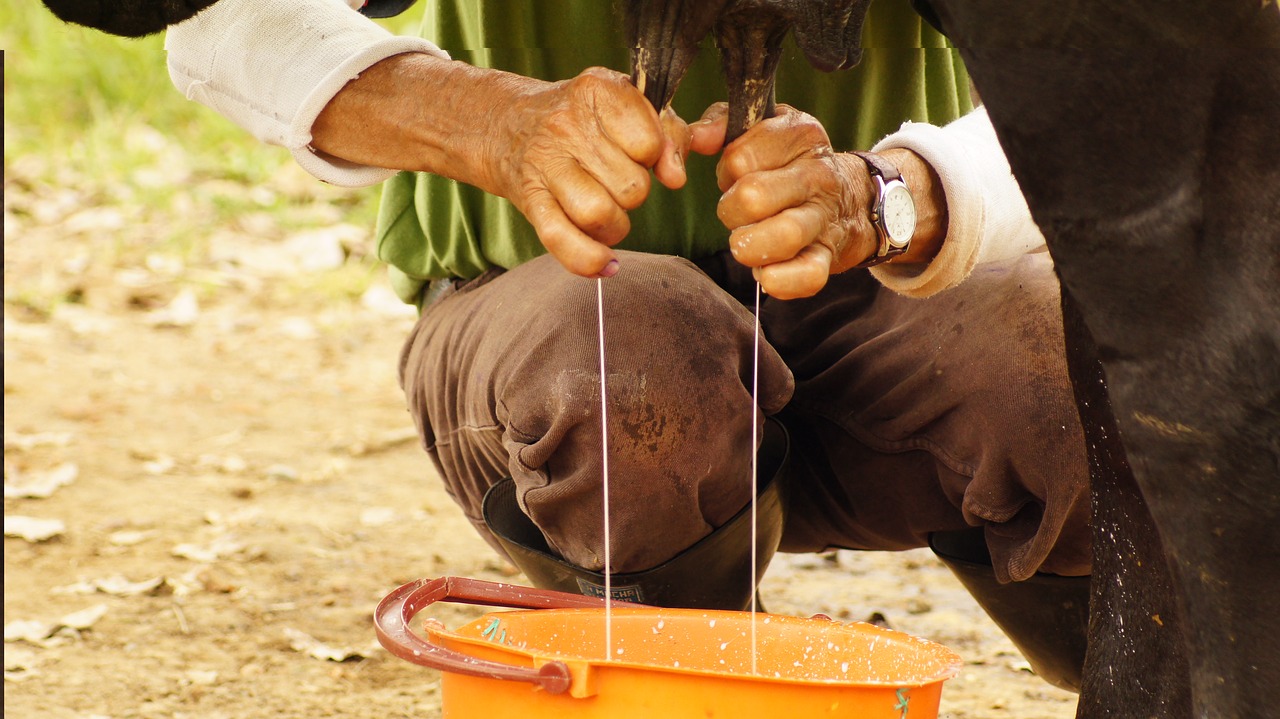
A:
72, 94
93, 121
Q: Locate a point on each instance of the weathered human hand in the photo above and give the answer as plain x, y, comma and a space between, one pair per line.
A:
574, 157
798, 211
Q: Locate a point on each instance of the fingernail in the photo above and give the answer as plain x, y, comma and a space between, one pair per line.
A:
609, 270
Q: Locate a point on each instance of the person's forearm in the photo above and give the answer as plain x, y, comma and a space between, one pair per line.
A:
270, 66
986, 216
572, 156
931, 206
422, 113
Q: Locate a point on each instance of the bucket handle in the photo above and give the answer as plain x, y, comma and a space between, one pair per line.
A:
397, 609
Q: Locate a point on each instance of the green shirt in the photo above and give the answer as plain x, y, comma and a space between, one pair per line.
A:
430, 227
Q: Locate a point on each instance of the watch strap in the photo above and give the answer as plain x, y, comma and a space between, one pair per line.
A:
887, 172
879, 166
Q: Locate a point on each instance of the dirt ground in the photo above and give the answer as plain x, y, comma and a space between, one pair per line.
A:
234, 472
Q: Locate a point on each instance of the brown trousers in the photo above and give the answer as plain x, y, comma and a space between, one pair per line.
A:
906, 416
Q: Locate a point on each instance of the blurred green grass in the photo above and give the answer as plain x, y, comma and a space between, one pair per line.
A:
75, 92
94, 118
72, 94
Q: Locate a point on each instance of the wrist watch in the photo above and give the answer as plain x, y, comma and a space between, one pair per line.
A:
893, 212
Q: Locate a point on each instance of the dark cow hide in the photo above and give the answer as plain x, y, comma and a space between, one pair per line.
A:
136, 18
130, 18
665, 34
1146, 140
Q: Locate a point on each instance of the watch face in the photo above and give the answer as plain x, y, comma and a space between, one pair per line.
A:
899, 214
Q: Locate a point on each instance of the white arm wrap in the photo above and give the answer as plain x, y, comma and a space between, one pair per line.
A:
271, 66
987, 217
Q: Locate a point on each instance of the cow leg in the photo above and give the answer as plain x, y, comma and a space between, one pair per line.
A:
1132, 610
1162, 221
1145, 143
1182, 296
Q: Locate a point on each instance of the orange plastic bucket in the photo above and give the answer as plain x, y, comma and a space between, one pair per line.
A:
548, 663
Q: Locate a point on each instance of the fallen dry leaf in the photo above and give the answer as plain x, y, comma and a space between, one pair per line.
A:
211, 552
320, 249
200, 678
29, 630
309, 645
229, 464
129, 537
18, 657
26, 442
20, 663
84, 618
33, 529
377, 516
39, 485
158, 466
44, 633
282, 472
182, 311
297, 328
118, 585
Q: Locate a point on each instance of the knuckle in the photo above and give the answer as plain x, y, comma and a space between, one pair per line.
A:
826, 178
605, 75
805, 128
752, 195
597, 217
598, 81
592, 77
735, 161
811, 283
551, 238
560, 124
791, 232
592, 213
804, 280
616, 231
632, 192
648, 146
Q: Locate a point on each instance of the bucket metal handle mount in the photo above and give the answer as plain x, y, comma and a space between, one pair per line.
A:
397, 609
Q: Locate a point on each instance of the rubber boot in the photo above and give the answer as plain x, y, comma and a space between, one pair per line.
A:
1046, 616
714, 573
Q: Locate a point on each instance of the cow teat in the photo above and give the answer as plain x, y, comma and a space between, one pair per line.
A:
665, 35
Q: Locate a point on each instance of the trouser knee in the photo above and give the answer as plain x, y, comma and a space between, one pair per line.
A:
678, 357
